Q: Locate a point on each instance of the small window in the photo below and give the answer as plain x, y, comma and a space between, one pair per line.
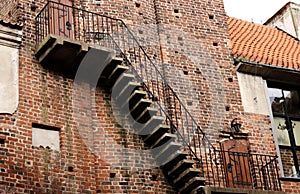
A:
45, 136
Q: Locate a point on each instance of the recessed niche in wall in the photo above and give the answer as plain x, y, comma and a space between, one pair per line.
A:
45, 136
137, 5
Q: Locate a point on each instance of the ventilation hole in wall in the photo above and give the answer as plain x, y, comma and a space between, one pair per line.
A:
154, 98
190, 103
112, 175
70, 169
176, 10
140, 13
185, 72
211, 17
29, 163
176, 52
230, 79
180, 38
227, 108
153, 177
137, 5
141, 32
198, 71
33, 6
215, 44
2, 170
177, 16
2, 141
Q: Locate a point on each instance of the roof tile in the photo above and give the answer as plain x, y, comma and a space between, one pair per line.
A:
263, 44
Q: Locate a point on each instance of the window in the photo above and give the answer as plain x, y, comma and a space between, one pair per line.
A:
285, 104
45, 136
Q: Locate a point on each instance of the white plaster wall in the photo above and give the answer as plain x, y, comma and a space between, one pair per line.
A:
253, 92
43, 137
9, 91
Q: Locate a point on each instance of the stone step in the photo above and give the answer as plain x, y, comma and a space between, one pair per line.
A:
124, 95
180, 167
136, 109
169, 166
146, 115
109, 69
122, 81
116, 73
167, 137
185, 176
192, 184
199, 190
166, 152
156, 134
149, 126
134, 98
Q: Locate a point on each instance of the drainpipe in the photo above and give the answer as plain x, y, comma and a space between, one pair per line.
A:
289, 127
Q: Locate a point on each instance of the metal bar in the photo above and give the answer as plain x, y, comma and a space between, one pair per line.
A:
253, 171
268, 174
94, 32
128, 38
277, 175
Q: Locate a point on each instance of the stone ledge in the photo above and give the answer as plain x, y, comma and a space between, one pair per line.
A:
10, 37
290, 179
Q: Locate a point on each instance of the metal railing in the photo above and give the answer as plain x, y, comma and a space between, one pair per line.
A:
77, 24
70, 22
242, 170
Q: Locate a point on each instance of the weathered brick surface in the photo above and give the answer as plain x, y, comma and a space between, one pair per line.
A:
9, 10
98, 155
46, 98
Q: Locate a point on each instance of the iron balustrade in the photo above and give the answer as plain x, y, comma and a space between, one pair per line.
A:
241, 170
70, 22
77, 24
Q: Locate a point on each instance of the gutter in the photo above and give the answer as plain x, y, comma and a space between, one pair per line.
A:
238, 62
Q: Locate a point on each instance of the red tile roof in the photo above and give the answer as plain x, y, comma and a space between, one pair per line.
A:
263, 44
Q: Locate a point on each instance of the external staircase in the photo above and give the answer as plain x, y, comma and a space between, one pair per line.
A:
187, 158
133, 99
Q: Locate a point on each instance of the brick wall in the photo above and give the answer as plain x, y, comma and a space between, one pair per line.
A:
46, 98
8, 10
192, 41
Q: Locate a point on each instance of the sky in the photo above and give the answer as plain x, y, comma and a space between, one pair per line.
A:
257, 11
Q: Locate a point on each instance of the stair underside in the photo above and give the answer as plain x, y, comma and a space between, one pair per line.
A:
64, 56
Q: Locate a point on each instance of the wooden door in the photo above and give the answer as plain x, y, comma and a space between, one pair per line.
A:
236, 160
61, 20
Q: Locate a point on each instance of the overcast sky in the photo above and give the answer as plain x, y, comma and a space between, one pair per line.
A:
257, 11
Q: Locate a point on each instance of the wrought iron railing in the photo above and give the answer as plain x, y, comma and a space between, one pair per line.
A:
89, 27
241, 170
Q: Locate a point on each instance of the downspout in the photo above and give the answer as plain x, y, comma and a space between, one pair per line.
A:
237, 63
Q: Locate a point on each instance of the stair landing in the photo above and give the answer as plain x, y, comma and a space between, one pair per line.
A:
64, 55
